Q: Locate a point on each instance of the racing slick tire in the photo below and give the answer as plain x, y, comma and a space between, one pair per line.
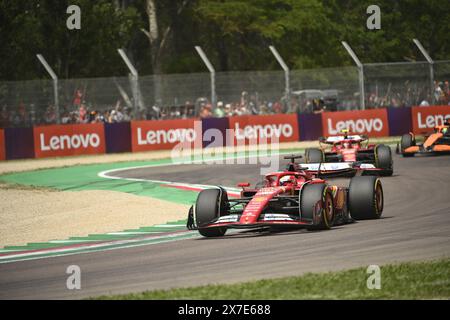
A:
314, 155
210, 205
310, 196
365, 198
406, 142
383, 159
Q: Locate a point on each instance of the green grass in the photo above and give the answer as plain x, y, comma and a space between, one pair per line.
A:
415, 280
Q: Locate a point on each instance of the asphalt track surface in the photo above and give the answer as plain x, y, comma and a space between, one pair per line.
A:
415, 226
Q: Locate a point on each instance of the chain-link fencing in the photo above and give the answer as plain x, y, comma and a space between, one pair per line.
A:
175, 96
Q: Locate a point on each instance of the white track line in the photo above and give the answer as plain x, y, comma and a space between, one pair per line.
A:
122, 243
131, 233
71, 241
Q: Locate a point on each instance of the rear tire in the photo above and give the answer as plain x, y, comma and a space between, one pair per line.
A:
210, 205
314, 155
383, 159
365, 198
406, 142
310, 195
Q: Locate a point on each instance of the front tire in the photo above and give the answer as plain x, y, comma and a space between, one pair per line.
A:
383, 159
210, 205
314, 155
212, 232
406, 142
365, 198
311, 195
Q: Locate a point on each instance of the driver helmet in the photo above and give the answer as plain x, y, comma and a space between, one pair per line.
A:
444, 130
288, 179
345, 132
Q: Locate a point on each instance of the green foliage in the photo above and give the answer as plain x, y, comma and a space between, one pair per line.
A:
31, 27
234, 33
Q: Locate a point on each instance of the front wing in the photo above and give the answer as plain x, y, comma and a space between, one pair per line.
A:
420, 149
268, 219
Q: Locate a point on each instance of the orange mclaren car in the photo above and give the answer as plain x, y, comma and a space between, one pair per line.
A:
435, 143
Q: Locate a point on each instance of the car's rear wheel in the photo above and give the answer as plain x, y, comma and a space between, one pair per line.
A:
406, 142
365, 198
314, 155
316, 199
383, 159
210, 205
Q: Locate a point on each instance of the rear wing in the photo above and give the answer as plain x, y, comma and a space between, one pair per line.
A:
337, 169
339, 139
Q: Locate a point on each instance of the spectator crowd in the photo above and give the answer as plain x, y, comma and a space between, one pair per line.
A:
409, 95
78, 111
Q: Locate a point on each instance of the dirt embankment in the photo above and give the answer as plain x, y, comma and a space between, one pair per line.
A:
28, 215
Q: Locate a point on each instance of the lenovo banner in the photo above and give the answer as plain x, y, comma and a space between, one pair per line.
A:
424, 119
263, 129
165, 134
371, 122
69, 140
2, 145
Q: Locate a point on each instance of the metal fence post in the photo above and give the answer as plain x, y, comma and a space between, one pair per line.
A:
55, 84
135, 82
212, 72
431, 63
362, 98
286, 76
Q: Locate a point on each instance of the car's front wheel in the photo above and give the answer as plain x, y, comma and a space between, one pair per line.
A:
314, 155
316, 199
406, 142
383, 159
210, 205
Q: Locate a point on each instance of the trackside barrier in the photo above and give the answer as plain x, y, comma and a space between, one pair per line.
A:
165, 135
371, 122
212, 128
19, 143
424, 119
399, 121
249, 128
69, 140
118, 137
2, 145
311, 125
136, 136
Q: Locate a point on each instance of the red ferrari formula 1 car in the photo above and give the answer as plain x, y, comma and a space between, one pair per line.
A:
436, 143
353, 149
287, 199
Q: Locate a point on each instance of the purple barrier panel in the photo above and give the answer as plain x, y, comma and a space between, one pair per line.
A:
221, 124
399, 121
118, 137
310, 126
19, 143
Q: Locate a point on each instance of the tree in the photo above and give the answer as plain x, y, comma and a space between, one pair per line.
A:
241, 31
31, 27
160, 35
159, 41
